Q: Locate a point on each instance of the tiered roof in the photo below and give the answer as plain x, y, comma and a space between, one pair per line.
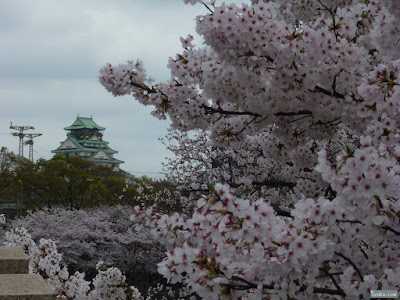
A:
85, 140
84, 123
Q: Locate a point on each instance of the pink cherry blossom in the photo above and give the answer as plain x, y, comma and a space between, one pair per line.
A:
297, 104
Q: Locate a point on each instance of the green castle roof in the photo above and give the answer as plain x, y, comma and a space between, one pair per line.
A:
90, 145
84, 123
80, 147
100, 142
110, 161
93, 150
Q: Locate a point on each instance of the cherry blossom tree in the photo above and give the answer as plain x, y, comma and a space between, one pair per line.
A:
109, 283
58, 263
105, 233
313, 86
197, 163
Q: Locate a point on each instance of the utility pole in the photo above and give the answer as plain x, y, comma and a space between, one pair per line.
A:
29, 142
21, 136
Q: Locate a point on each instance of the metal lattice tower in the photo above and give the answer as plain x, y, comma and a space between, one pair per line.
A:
29, 142
21, 136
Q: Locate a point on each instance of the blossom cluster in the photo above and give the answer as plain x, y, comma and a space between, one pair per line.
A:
256, 168
87, 236
310, 85
240, 248
197, 163
168, 292
108, 284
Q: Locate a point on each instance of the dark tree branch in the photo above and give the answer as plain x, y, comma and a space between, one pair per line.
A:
249, 285
208, 8
244, 127
351, 263
363, 252
283, 213
325, 270
328, 122
301, 118
391, 229
212, 110
291, 113
335, 94
270, 59
350, 221
144, 87
275, 183
318, 290
259, 121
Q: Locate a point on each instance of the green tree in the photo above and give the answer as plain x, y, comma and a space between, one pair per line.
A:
72, 182
69, 182
9, 164
59, 181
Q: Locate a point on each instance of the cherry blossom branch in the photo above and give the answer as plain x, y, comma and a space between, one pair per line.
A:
301, 118
363, 252
270, 59
330, 275
148, 89
335, 94
338, 70
212, 110
326, 8
208, 8
244, 127
143, 87
391, 229
283, 213
249, 285
289, 114
351, 263
319, 122
350, 221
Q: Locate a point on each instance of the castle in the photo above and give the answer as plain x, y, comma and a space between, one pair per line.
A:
85, 139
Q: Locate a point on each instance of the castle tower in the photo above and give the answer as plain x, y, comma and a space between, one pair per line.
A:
85, 139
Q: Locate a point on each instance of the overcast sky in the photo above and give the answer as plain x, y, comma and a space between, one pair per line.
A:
50, 54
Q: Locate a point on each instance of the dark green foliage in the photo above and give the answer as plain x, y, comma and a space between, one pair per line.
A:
69, 182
